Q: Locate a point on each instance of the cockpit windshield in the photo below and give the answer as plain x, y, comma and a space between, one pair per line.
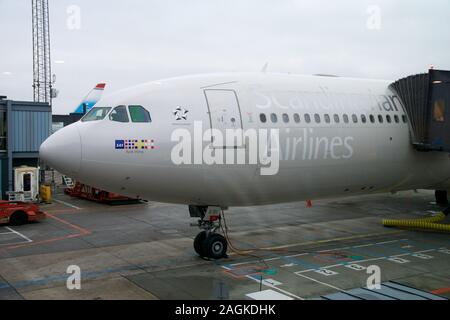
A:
96, 114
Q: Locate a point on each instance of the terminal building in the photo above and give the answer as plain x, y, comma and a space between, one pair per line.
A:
23, 128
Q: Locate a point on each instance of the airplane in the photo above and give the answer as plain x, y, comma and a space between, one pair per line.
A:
244, 139
91, 99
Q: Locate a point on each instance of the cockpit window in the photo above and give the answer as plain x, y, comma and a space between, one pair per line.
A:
119, 114
96, 114
139, 114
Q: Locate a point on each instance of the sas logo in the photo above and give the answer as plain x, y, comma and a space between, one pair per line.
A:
135, 145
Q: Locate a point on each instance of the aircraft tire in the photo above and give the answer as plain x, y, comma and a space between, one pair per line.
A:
215, 246
198, 244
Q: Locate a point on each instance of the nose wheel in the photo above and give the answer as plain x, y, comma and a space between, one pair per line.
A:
208, 243
213, 246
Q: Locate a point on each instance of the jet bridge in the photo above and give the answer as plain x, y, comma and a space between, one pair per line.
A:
426, 98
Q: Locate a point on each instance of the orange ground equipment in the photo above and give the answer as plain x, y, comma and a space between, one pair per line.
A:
18, 213
80, 190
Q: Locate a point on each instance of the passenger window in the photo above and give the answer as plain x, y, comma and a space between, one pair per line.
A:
405, 120
274, 118
119, 114
363, 118
285, 118
263, 118
439, 111
296, 118
372, 118
139, 114
96, 114
307, 118
355, 118
380, 118
345, 117
388, 119
317, 118
327, 118
336, 118
396, 119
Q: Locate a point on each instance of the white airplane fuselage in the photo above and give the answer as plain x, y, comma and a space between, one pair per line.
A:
333, 157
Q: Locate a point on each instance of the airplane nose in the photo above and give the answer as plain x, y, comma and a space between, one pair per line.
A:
62, 150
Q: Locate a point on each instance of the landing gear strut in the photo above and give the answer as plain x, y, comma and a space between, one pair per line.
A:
208, 243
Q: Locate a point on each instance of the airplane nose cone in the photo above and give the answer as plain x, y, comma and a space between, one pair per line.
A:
62, 151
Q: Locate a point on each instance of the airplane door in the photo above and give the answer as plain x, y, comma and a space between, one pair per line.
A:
224, 113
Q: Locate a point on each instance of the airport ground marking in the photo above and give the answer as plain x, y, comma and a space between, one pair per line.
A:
355, 266
82, 232
296, 255
441, 291
320, 251
393, 257
19, 234
333, 240
321, 282
22, 236
267, 284
344, 264
67, 204
326, 272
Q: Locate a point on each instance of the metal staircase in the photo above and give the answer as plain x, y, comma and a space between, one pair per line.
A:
68, 182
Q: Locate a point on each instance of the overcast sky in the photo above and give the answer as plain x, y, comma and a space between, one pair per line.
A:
124, 43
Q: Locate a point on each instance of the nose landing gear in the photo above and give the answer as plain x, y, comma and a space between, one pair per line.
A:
208, 243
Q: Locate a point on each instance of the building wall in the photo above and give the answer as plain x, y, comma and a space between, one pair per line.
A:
28, 125
30, 129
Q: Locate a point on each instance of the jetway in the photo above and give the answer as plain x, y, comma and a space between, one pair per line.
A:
426, 98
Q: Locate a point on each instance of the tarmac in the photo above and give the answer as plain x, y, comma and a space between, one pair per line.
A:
144, 251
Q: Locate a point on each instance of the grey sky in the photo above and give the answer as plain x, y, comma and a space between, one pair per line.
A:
128, 42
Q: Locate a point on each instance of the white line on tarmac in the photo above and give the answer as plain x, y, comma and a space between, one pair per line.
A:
321, 251
67, 204
365, 260
297, 255
19, 234
265, 283
320, 282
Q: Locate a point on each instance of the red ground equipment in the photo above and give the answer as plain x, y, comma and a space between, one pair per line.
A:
83, 191
17, 213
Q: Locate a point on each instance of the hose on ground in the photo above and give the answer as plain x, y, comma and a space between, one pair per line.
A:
429, 223
240, 252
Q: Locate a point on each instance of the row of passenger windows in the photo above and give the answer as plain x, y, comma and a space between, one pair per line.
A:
138, 114
336, 118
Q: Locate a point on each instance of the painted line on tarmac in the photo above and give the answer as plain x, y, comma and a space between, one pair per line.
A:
441, 291
265, 283
321, 251
82, 232
361, 236
20, 234
67, 204
321, 282
365, 260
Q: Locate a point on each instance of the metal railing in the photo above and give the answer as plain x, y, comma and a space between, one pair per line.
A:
24, 196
